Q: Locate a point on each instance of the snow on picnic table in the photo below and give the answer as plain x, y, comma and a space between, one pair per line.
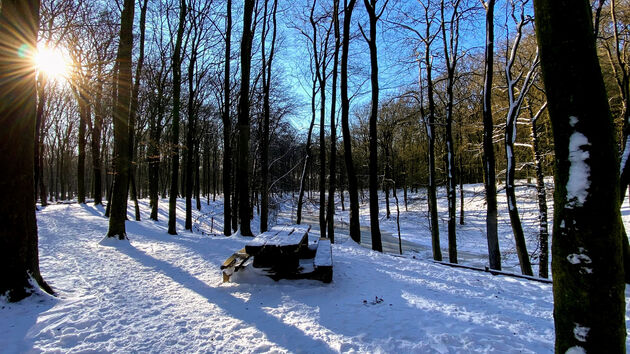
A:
163, 293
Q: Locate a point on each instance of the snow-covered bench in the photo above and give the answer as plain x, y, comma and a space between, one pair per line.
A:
323, 261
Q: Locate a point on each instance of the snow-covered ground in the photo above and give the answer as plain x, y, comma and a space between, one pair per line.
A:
163, 293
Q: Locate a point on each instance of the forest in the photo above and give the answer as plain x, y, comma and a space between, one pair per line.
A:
506, 120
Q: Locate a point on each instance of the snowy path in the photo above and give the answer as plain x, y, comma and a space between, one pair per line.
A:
163, 293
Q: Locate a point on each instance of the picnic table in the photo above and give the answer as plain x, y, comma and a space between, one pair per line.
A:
279, 251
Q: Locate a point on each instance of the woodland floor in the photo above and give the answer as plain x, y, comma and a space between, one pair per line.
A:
162, 293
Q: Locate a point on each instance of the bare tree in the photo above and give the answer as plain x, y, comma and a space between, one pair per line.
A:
375, 230
492, 235
353, 190
243, 175
177, 78
118, 213
513, 112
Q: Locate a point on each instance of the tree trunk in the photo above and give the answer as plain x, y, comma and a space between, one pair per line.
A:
84, 115
490, 186
97, 127
543, 230
430, 127
177, 78
19, 256
227, 128
589, 300
118, 210
308, 158
266, 76
355, 227
244, 120
375, 229
330, 213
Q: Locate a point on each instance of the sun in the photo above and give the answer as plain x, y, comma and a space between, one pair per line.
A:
52, 62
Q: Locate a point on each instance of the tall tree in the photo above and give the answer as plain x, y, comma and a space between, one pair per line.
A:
19, 255
588, 289
375, 230
490, 185
330, 213
244, 120
266, 82
515, 100
227, 127
353, 189
118, 210
450, 38
177, 79
134, 110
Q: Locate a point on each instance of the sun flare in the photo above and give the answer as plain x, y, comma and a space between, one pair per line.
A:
53, 62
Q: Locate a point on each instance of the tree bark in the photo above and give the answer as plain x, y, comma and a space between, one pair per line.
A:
19, 257
244, 120
353, 191
266, 76
177, 78
227, 128
490, 185
375, 229
588, 289
118, 210
330, 212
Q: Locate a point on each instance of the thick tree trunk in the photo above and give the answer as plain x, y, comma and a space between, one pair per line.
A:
244, 121
589, 300
353, 191
177, 78
118, 210
19, 257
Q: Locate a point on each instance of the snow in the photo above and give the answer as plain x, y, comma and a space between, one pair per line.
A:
578, 258
579, 171
580, 332
162, 293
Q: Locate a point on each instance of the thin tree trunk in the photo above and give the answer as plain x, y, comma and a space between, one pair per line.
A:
177, 78
355, 227
227, 128
543, 229
375, 229
492, 235
330, 217
308, 158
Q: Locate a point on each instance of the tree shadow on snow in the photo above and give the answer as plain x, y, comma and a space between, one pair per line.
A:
278, 332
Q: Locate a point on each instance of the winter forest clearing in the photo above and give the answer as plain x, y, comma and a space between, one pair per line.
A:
163, 294
314, 175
